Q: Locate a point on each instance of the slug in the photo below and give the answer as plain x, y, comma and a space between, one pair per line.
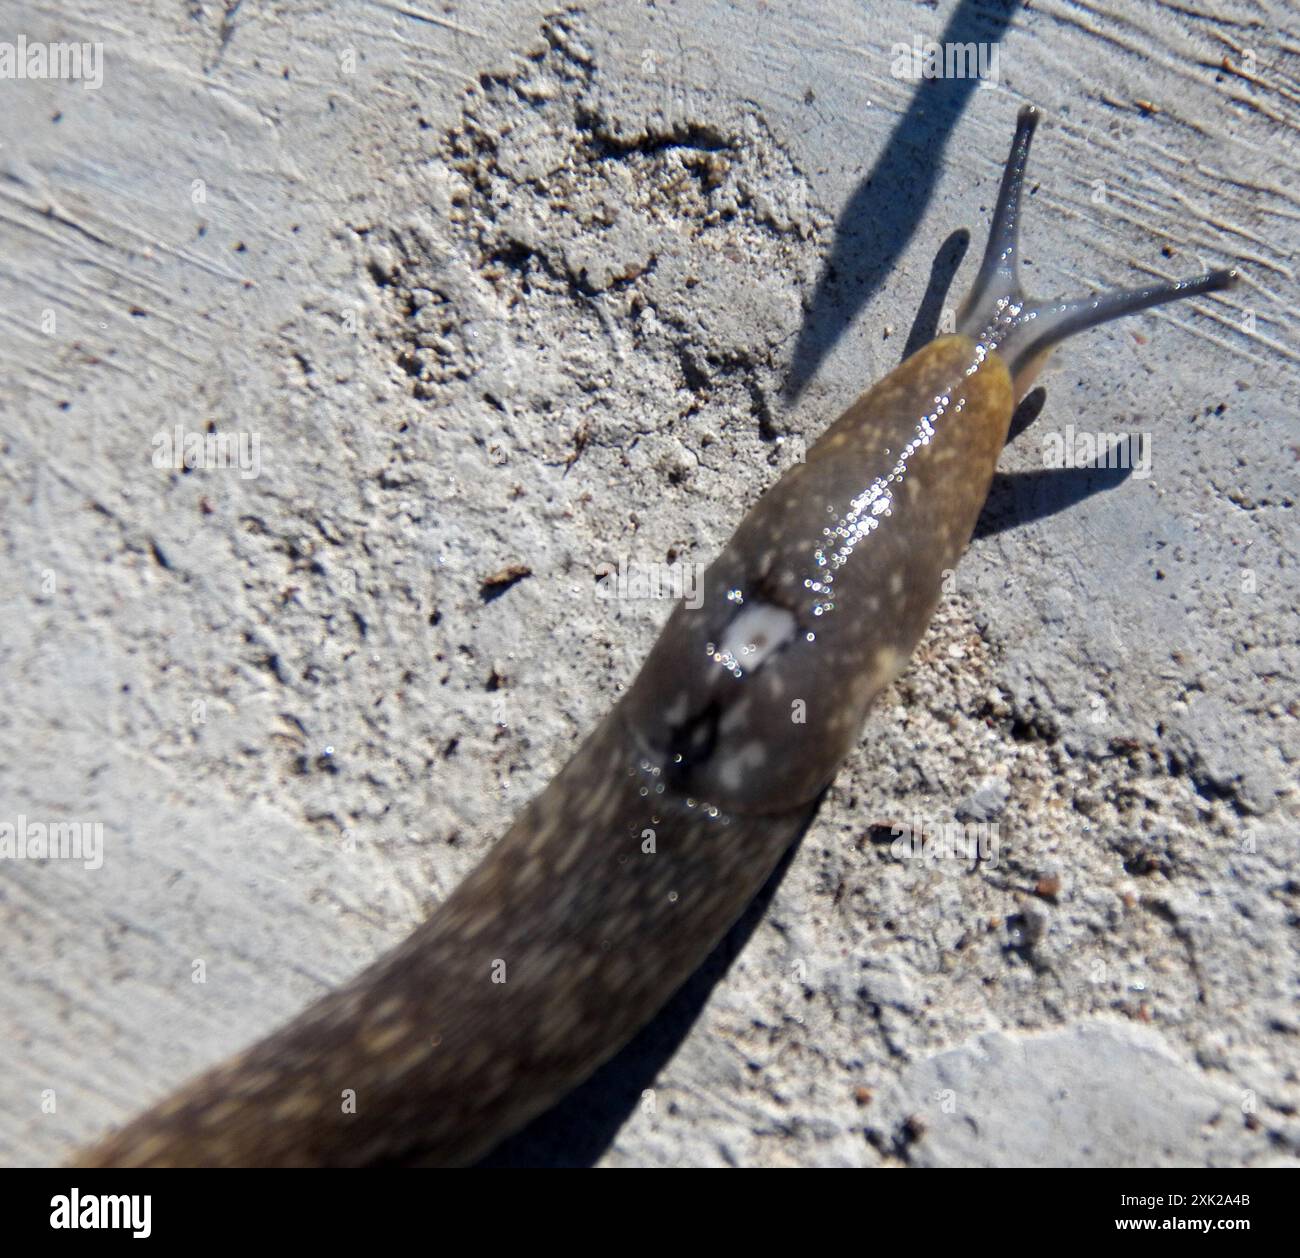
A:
616, 882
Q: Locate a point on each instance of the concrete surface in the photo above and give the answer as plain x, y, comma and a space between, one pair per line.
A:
507, 294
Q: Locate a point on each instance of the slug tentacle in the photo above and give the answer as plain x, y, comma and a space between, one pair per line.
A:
998, 316
998, 279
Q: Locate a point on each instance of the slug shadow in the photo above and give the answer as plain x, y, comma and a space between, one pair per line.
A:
942, 272
1031, 406
577, 1130
1017, 498
882, 215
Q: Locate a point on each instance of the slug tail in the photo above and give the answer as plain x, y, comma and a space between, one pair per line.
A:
999, 316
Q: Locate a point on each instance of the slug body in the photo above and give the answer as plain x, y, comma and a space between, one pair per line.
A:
617, 881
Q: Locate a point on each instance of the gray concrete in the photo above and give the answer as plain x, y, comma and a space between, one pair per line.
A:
374, 236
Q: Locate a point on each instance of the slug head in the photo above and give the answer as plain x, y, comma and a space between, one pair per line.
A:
750, 700
998, 316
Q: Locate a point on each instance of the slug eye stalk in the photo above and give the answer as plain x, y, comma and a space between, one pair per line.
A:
999, 316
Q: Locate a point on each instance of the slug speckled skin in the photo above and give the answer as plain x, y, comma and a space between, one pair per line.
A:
616, 882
